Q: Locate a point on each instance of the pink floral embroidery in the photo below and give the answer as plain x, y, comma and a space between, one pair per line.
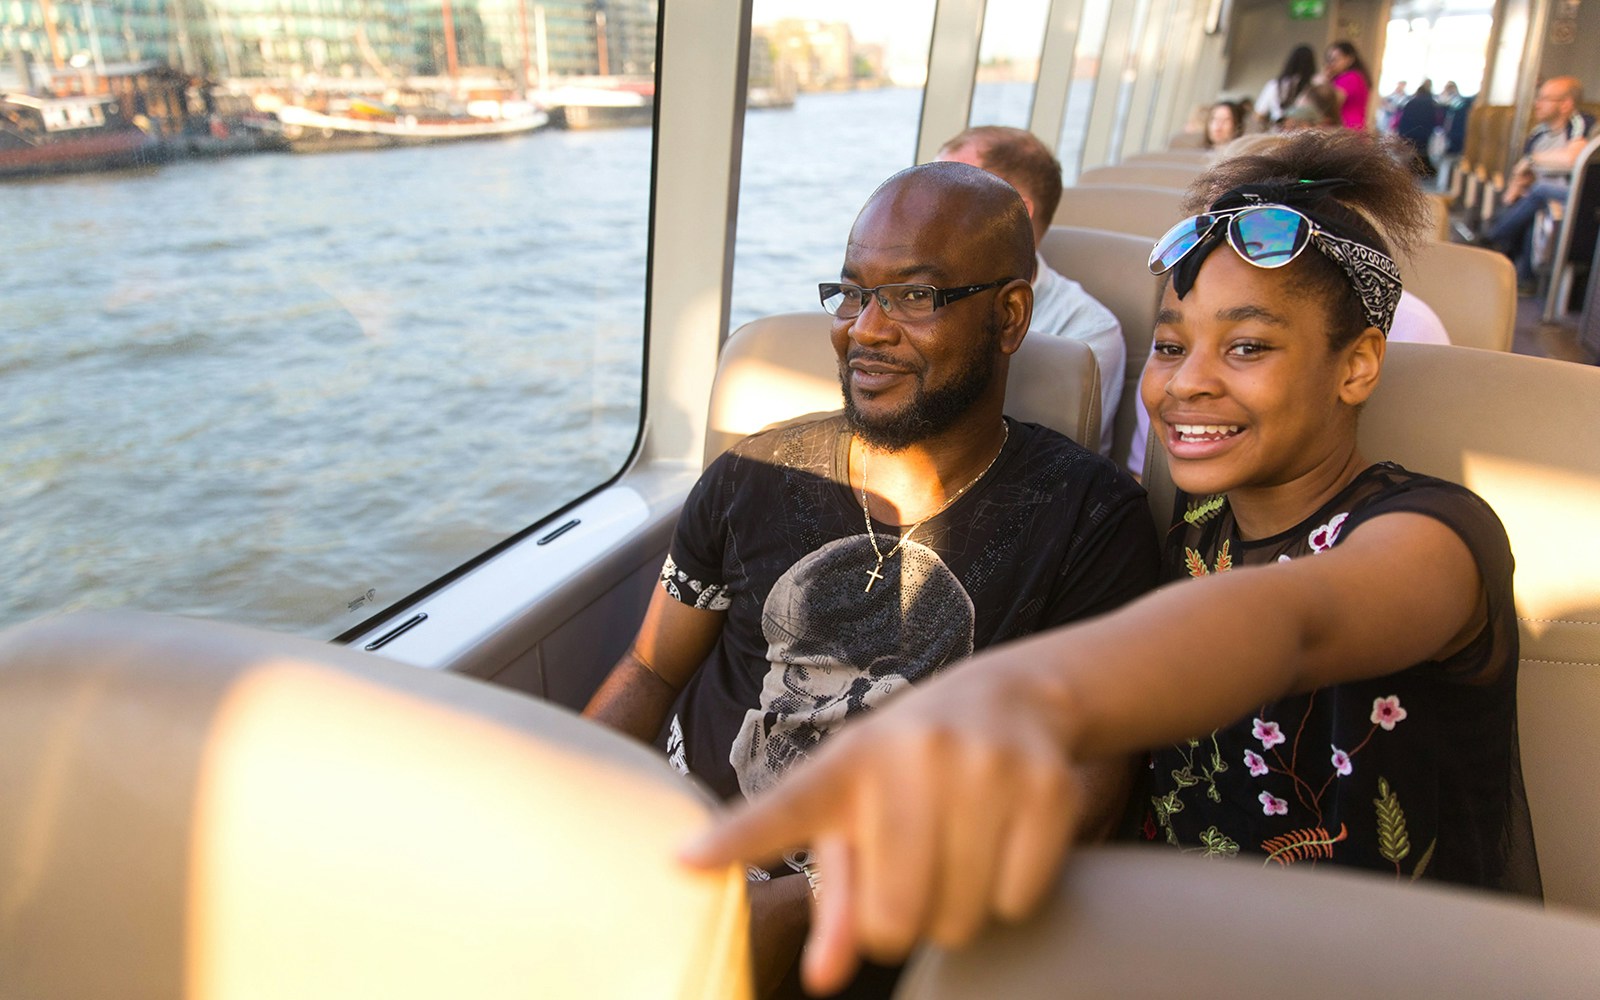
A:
1387, 711
1255, 762
1271, 805
1270, 735
1323, 538
1341, 762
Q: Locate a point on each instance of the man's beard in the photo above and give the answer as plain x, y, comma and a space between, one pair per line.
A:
930, 412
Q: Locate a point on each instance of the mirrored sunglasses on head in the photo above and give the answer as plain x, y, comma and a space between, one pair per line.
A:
1267, 236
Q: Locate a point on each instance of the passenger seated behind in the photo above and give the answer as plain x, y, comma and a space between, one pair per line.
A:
1334, 681
1061, 308
1544, 172
819, 568
1224, 123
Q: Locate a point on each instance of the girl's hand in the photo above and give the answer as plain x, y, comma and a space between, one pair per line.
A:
953, 806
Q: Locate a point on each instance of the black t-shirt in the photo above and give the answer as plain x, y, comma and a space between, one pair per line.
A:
1416, 774
774, 535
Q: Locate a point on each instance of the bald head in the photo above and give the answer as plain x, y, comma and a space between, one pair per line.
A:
976, 220
1557, 99
1017, 157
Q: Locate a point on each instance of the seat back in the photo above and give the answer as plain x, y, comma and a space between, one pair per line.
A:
1580, 224
1113, 267
194, 810
1176, 176
1187, 141
1439, 205
1152, 922
1524, 434
1199, 155
1473, 291
780, 367
1121, 208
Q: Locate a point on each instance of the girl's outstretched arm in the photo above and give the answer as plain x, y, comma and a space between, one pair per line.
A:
956, 803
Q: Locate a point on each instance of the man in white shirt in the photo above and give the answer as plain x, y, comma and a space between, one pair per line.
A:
1061, 308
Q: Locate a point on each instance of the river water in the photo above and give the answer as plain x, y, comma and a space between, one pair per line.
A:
285, 390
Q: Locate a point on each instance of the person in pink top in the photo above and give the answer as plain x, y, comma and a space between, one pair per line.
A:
1343, 68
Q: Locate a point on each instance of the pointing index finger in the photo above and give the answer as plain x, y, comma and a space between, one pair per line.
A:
792, 813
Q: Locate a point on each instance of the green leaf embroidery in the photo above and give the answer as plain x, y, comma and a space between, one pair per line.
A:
1393, 841
1184, 777
1427, 856
1204, 509
1165, 806
1217, 843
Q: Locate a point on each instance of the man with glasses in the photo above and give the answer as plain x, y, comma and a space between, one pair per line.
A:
1542, 176
822, 566
1061, 308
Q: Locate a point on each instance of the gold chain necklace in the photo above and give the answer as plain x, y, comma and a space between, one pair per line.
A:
876, 573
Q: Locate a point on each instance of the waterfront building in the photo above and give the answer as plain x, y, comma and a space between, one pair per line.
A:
306, 41
821, 55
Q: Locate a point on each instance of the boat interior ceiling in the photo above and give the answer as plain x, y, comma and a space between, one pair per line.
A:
188, 739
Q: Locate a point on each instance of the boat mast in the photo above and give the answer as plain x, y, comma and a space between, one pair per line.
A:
522, 25
541, 44
49, 16
450, 48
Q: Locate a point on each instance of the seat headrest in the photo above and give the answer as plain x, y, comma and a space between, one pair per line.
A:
199, 810
779, 367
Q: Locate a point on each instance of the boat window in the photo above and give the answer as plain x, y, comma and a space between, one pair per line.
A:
1008, 63
1440, 45
310, 353
835, 98
1081, 91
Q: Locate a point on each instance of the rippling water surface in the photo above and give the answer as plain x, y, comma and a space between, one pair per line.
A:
283, 389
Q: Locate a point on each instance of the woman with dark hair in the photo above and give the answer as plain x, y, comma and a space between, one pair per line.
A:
1338, 667
1281, 91
1344, 70
1224, 123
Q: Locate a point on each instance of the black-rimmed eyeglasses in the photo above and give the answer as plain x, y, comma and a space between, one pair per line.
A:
903, 301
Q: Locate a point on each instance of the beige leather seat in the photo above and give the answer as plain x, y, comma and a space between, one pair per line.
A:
198, 811
1112, 267
1165, 175
1147, 921
1564, 254
1439, 205
1524, 433
779, 367
1121, 208
1473, 291
1199, 155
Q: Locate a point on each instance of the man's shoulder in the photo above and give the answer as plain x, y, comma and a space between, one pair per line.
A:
1050, 461
808, 439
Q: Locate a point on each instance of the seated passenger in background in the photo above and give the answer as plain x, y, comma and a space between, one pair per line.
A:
1224, 123
819, 568
1061, 308
1543, 175
1334, 681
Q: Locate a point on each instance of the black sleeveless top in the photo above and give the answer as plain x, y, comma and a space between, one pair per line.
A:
1416, 774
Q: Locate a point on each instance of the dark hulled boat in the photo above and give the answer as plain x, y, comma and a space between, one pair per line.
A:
46, 135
